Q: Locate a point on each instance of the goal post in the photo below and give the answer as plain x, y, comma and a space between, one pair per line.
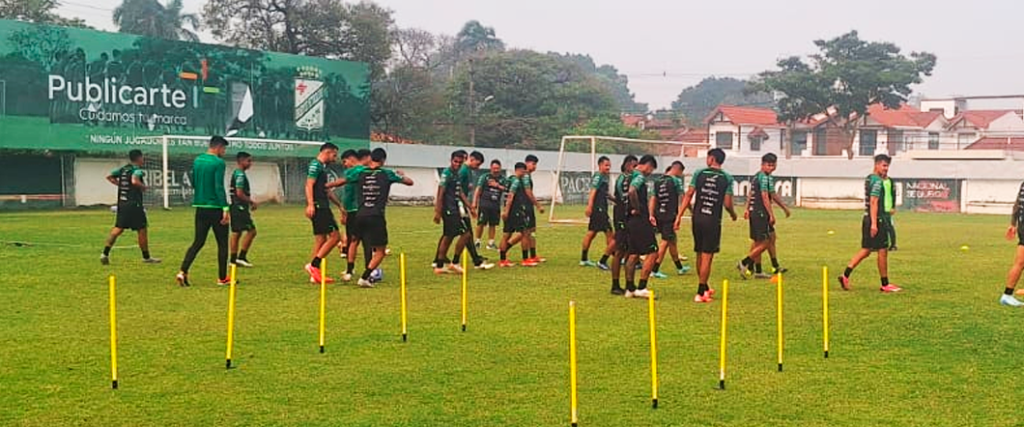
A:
575, 169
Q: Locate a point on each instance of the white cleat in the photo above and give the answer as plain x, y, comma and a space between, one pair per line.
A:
346, 277
484, 266
629, 293
244, 263
642, 294
1009, 300
366, 284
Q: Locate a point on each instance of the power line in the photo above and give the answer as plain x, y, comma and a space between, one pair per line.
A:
87, 6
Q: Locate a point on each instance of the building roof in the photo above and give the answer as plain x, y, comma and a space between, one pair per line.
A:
758, 132
903, 117
980, 118
746, 115
1015, 143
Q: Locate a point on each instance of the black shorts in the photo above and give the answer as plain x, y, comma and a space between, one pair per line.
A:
761, 228
372, 231
1020, 234
514, 223
642, 240
599, 222
131, 218
241, 219
707, 236
324, 222
530, 219
350, 225
454, 225
667, 228
880, 240
622, 240
489, 216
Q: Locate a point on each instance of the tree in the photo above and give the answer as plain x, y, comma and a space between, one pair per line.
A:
38, 11
847, 77
475, 38
150, 18
617, 84
415, 48
696, 102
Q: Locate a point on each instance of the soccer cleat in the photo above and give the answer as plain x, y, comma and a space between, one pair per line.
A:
244, 263
539, 259
642, 294
477, 244
484, 266
104, 259
659, 275
387, 251
152, 260
698, 298
1020, 292
347, 277
628, 294
844, 282
782, 270
1009, 300
317, 282
314, 273
342, 254
684, 270
530, 262
618, 290
223, 282
890, 288
182, 279
442, 270
744, 271
492, 246
506, 264
455, 268
683, 258
588, 264
762, 276
366, 284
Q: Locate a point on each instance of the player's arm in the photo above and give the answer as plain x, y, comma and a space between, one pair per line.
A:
778, 201
333, 197
438, 201
310, 182
137, 182
874, 215
652, 203
1012, 231
222, 194
746, 206
684, 204
508, 204
766, 199
112, 176
465, 202
476, 192
533, 200
729, 207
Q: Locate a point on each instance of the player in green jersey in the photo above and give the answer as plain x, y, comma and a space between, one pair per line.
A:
130, 180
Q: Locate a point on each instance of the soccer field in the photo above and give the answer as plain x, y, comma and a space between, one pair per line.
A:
943, 352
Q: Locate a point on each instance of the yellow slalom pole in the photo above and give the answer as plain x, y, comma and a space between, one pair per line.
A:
654, 352
465, 280
824, 304
401, 268
113, 332
231, 314
323, 301
778, 315
725, 319
574, 414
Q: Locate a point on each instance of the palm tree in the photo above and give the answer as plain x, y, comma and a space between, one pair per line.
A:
475, 38
150, 18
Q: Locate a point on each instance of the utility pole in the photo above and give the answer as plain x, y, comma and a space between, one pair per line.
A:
472, 107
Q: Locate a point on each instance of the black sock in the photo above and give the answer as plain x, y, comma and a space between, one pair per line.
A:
630, 286
243, 255
643, 284
234, 257
885, 281
679, 264
584, 256
145, 254
316, 262
106, 251
748, 263
366, 274
533, 252
1008, 291
526, 255
616, 284
702, 288
504, 255
350, 268
604, 259
657, 267
758, 268
848, 272
367, 256
775, 263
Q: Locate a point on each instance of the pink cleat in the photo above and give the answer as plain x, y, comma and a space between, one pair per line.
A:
844, 282
890, 288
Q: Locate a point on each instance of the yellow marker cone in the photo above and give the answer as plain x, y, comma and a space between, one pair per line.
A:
824, 305
778, 315
725, 322
401, 268
465, 280
231, 314
654, 352
574, 412
323, 301
113, 331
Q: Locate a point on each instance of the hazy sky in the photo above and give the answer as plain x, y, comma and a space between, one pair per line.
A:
667, 45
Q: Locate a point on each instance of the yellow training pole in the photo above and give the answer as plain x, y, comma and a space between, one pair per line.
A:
465, 280
323, 300
654, 352
824, 304
231, 313
113, 332
401, 268
778, 316
725, 317
574, 414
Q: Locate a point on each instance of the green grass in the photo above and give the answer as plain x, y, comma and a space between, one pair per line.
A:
942, 353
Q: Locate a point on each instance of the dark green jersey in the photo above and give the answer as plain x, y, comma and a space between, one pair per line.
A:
517, 191
761, 183
350, 197
466, 184
318, 171
374, 187
638, 182
599, 183
128, 195
875, 187
528, 182
239, 181
451, 184
492, 188
667, 189
711, 186
621, 187
208, 182
1020, 205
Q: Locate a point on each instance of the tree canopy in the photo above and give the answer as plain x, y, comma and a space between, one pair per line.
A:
37, 11
150, 18
696, 102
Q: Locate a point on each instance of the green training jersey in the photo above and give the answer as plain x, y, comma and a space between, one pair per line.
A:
492, 188
667, 189
599, 183
128, 195
875, 187
239, 181
317, 171
451, 184
711, 186
890, 196
350, 197
639, 183
518, 193
208, 182
761, 183
466, 181
374, 186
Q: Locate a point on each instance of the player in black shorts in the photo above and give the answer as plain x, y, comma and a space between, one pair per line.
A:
450, 206
597, 211
1016, 231
318, 210
621, 243
668, 192
642, 240
514, 216
709, 192
130, 180
874, 235
530, 245
242, 205
487, 201
761, 216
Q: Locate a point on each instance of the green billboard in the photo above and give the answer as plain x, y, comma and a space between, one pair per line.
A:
84, 90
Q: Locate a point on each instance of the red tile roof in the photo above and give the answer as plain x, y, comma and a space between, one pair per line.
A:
746, 115
633, 120
1015, 143
981, 118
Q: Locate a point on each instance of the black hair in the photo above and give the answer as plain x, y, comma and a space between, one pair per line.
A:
363, 153
770, 158
532, 159
496, 162
459, 153
718, 154
218, 141
883, 158
477, 155
648, 159
520, 165
328, 146
629, 159
603, 159
242, 155
378, 155
348, 154
677, 163
134, 155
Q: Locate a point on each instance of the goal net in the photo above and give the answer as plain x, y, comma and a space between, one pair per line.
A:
278, 173
577, 164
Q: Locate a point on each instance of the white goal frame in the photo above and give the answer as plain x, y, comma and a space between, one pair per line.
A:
557, 189
164, 142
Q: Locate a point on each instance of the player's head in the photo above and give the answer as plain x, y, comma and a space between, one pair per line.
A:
882, 162
363, 156
520, 169
218, 145
244, 160
604, 164
716, 157
628, 163
136, 157
349, 158
476, 159
531, 163
676, 168
769, 162
647, 164
328, 153
458, 158
378, 156
495, 167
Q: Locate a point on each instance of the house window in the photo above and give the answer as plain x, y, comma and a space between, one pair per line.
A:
896, 142
799, 143
723, 140
821, 142
868, 142
963, 140
933, 140
755, 143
